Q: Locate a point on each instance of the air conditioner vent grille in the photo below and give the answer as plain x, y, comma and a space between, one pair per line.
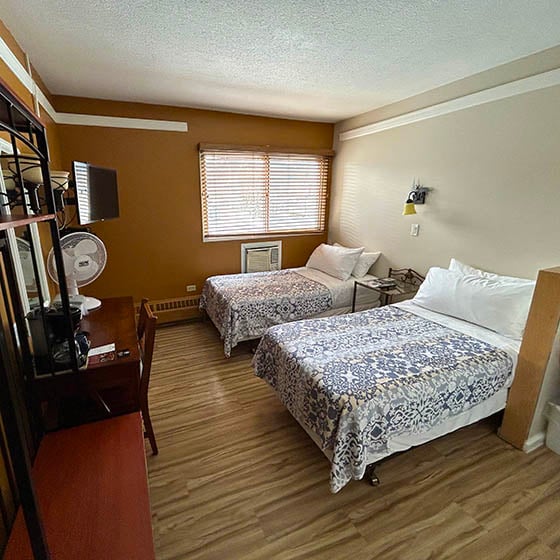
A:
261, 256
173, 304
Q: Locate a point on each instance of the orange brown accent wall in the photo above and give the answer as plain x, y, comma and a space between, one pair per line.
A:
6, 74
155, 248
19, 89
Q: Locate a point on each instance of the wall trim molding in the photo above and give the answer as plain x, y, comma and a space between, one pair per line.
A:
46, 104
121, 122
17, 68
21, 73
534, 442
524, 85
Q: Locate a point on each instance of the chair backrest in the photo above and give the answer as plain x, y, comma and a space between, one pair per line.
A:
147, 322
142, 315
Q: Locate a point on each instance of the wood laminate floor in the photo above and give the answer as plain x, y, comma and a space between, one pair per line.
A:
238, 478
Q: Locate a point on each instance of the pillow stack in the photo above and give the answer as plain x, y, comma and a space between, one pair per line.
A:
341, 262
365, 262
336, 261
498, 303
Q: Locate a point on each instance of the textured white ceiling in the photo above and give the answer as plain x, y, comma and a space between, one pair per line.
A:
314, 59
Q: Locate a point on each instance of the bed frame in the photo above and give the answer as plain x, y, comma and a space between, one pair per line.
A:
535, 383
407, 275
522, 405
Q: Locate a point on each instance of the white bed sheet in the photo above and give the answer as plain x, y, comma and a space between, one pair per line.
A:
341, 291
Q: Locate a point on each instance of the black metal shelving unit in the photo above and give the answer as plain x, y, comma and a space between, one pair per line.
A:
19, 410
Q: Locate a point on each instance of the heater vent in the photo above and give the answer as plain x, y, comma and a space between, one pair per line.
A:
174, 309
172, 304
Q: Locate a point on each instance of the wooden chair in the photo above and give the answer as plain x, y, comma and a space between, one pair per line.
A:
146, 331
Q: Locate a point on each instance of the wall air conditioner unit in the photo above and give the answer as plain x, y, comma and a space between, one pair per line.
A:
261, 257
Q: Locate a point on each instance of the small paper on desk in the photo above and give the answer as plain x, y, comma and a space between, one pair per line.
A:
102, 349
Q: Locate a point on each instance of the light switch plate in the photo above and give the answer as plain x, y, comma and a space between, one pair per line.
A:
414, 228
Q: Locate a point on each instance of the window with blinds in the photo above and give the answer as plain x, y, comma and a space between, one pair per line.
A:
251, 192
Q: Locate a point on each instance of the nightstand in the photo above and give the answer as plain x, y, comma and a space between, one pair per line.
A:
407, 283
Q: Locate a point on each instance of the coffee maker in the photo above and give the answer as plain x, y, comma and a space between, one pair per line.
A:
50, 339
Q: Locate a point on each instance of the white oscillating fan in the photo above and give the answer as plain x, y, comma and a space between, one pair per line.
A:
85, 258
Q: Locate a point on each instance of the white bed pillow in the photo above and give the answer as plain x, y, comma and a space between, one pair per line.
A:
497, 305
365, 262
465, 269
336, 261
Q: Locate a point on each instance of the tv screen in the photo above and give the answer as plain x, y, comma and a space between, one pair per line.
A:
97, 197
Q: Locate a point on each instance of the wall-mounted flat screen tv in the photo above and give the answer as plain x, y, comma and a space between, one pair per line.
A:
97, 196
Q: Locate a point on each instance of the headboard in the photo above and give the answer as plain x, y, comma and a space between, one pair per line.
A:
537, 379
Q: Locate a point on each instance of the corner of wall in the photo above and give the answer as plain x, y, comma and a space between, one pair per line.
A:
550, 391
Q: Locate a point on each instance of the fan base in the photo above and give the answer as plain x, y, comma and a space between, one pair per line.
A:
90, 303
85, 303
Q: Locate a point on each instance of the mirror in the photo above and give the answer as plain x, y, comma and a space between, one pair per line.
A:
36, 285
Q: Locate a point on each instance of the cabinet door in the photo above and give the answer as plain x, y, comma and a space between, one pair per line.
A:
8, 497
7, 491
16, 439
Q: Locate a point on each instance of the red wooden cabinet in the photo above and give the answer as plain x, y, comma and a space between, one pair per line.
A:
92, 489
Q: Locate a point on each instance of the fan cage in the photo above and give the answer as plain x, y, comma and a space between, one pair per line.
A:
70, 241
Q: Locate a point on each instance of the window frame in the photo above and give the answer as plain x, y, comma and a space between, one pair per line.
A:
325, 153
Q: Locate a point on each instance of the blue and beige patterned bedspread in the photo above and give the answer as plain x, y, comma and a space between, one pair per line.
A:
244, 306
354, 381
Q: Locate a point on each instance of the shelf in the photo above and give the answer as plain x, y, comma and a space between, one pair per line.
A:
17, 220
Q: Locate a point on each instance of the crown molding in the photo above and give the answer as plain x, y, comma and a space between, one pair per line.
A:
17, 68
46, 104
511, 89
121, 122
21, 73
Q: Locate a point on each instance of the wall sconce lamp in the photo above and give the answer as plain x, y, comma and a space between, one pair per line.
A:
416, 196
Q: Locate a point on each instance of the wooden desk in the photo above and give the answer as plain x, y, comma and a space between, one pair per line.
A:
117, 381
92, 489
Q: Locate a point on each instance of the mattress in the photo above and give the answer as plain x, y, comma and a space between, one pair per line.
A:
244, 306
368, 384
342, 291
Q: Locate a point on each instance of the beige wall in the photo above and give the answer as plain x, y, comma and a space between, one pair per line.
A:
495, 173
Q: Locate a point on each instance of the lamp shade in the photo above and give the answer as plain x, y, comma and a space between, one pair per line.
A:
59, 180
31, 172
9, 182
409, 209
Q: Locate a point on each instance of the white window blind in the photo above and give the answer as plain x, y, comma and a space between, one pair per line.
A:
251, 192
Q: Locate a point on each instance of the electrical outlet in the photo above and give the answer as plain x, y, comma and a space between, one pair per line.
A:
191, 288
414, 228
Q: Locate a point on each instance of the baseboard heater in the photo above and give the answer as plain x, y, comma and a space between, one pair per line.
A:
174, 309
